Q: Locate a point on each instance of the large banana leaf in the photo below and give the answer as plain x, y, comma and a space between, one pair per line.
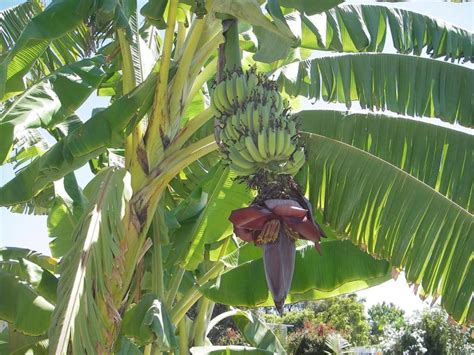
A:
342, 268
32, 268
16, 343
22, 307
104, 129
396, 217
148, 322
224, 195
50, 101
310, 7
84, 311
363, 28
437, 155
253, 328
56, 22
407, 85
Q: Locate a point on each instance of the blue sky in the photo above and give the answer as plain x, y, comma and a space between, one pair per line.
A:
31, 232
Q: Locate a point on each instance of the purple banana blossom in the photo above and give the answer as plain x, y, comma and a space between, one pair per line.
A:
275, 226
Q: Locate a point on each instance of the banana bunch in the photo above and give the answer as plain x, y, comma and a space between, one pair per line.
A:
238, 87
257, 131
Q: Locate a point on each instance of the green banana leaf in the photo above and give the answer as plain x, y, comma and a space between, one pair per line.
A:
22, 307
57, 21
44, 261
65, 214
148, 322
342, 268
81, 317
396, 217
224, 194
31, 268
16, 343
50, 101
406, 85
104, 129
228, 350
256, 333
439, 156
363, 28
310, 7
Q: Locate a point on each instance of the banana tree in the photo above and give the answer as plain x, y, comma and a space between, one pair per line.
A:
200, 129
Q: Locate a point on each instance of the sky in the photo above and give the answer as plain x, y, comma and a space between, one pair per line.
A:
31, 231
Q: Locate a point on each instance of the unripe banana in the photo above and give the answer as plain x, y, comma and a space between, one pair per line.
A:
280, 141
271, 142
230, 90
253, 150
240, 89
252, 81
216, 105
239, 160
262, 143
221, 92
255, 119
292, 128
242, 171
291, 148
286, 144
244, 152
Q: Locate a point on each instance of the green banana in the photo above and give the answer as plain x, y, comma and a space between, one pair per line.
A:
280, 141
230, 90
255, 120
252, 82
271, 142
253, 150
221, 92
262, 143
239, 160
240, 89
242, 171
291, 148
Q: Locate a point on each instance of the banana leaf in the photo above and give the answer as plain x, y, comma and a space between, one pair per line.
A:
57, 21
364, 28
22, 307
403, 84
81, 318
394, 216
224, 194
342, 268
439, 156
104, 129
50, 101
310, 7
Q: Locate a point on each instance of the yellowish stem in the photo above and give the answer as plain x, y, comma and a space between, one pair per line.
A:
180, 37
189, 129
159, 122
206, 74
178, 95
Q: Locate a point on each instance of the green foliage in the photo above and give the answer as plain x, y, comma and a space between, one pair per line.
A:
318, 276
429, 331
382, 315
347, 316
87, 269
148, 322
59, 94
104, 129
443, 163
403, 84
394, 216
310, 339
364, 28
